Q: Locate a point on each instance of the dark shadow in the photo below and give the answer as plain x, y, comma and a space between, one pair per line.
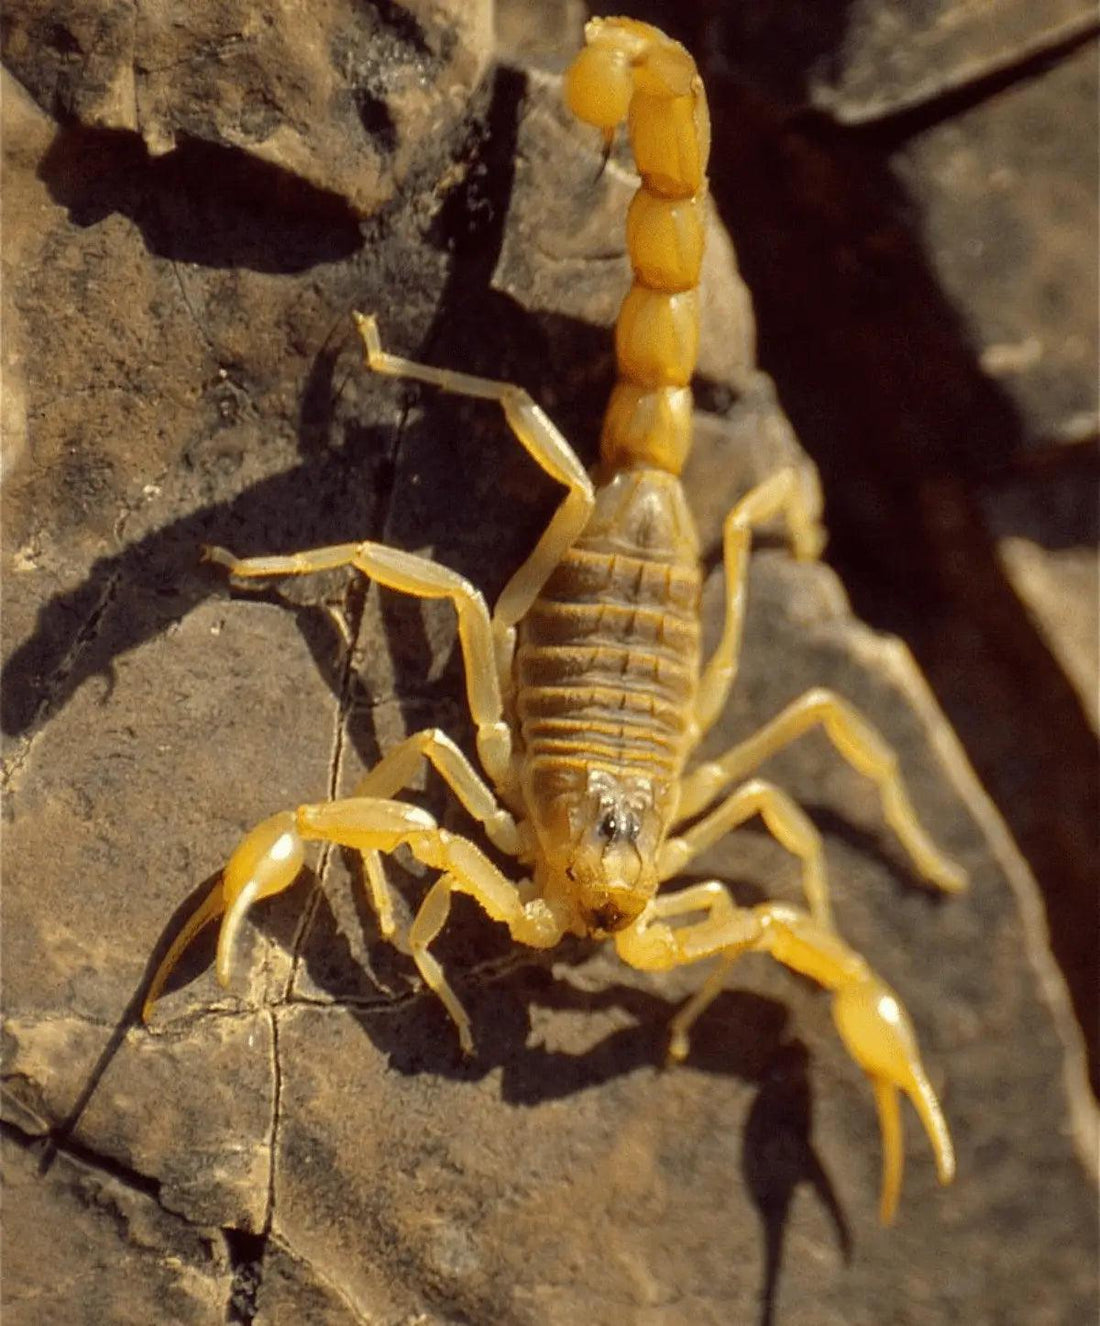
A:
132, 596
778, 1157
200, 203
195, 960
741, 1035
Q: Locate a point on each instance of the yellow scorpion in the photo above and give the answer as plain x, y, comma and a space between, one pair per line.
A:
585, 682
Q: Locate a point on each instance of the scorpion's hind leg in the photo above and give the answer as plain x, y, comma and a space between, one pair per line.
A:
267, 862
869, 1016
865, 750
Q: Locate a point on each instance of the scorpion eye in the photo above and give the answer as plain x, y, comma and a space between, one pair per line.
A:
609, 826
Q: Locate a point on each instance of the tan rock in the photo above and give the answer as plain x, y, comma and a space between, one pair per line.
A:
189, 379
340, 96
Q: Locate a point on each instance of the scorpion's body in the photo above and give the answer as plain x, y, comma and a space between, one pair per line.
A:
606, 674
585, 684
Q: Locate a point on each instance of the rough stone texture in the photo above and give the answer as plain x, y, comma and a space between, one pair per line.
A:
865, 60
308, 1146
1060, 588
341, 96
1007, 201
542, 35
125, 1260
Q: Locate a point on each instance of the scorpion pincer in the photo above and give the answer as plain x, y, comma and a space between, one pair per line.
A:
585, 683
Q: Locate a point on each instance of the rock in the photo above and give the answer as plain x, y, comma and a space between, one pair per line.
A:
1054, 586
865, 61
308, 1145
1008, 208
1045, 524
87, 1248
338, 95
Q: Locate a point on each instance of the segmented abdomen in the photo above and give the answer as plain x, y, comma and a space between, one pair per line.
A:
608, 658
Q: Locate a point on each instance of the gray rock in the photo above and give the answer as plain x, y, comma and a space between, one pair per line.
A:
870, 59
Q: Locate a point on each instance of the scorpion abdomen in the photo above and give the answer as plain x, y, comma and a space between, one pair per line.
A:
607, 666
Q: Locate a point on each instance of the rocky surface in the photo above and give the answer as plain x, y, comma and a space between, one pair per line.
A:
944, 375
309, 1146
867, 60
343, 99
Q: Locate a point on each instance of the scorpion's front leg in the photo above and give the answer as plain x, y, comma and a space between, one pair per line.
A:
525, 923
397, 769
868, 1014
370, 825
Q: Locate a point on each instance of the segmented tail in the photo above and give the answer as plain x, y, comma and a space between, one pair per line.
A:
631, 71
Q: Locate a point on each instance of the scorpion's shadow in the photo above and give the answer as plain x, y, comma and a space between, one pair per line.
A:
217, 208
742, 1035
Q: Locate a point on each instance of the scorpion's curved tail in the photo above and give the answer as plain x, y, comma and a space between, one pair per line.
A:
631, 71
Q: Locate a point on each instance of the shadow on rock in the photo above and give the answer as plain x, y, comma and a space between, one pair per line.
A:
778, 1157
133, 596
200, 203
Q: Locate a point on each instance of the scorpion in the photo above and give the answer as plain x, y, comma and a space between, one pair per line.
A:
585, 683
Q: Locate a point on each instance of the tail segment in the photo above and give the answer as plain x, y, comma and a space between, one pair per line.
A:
631, 71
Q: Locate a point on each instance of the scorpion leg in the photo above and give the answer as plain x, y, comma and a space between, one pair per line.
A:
864, 749
869, 1016
429, 921
424, 579
714, 899
542, 442
789, 825
794, 494
396, 770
